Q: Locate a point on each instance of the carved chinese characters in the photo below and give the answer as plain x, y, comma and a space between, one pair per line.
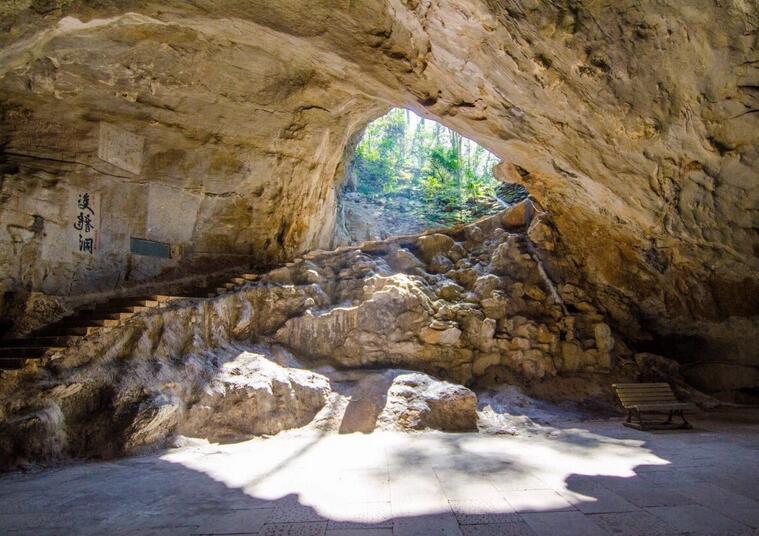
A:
120, 148
87, 222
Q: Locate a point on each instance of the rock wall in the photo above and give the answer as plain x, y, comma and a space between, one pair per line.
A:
330, 337
218, 127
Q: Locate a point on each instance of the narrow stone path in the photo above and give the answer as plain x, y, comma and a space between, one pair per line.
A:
45, 342
586, 478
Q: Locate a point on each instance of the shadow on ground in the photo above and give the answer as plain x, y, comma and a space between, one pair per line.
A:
593, 478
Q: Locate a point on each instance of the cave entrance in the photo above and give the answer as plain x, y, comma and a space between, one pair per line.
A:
409, 174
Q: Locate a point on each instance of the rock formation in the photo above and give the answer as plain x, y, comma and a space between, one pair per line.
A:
361, 338
217, 132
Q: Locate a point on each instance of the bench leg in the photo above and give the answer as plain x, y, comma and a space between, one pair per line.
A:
686, 424
637, 425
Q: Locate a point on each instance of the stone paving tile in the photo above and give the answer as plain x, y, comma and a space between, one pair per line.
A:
741, 481
514, 480
412, 485
483, 512
231, 522
360, 532
519, 528
697, 520
363, 516
295, 529
537, 501
732, 505
427, 525
591, 498
353, 486
563, 523
642, 493
468, 486
298, 513
640, 523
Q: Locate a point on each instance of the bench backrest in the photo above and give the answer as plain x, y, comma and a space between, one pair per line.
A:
632, 394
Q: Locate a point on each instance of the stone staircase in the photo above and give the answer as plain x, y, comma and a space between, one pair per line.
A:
16, 354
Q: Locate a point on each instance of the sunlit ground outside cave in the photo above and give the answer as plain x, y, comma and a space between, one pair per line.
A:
409, 174
379, 268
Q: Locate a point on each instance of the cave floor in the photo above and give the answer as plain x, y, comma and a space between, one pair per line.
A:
584, 478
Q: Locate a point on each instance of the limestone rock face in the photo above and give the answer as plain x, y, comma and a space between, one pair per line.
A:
403, 400
221, 132
335, 340
417, 401
253, 396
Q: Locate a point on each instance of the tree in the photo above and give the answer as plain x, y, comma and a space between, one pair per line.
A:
408, 157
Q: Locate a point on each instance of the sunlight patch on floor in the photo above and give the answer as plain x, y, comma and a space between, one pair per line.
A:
418, 473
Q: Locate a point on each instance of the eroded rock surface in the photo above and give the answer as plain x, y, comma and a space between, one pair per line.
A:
406, 340
252, 395
417, 401
222, 130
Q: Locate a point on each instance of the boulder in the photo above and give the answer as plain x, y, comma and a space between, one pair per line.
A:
507, 258
440, 264
154, 424
403, 260
518, 216
449, 291
486, 284
447, 337
604, 339
432, 245
417, 401
483, 361
655, 368
252, 396
571, 356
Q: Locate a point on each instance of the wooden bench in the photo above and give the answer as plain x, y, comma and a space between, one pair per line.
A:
656, 398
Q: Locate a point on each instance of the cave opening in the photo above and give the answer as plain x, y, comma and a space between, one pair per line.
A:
408, 174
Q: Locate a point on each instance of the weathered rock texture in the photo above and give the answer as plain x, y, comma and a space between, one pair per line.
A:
255, 396
191, 367
219, 128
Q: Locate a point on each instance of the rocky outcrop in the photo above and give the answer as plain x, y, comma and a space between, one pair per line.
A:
189, 368
252, 395
633, 123
417, 402
403, 400
492, 306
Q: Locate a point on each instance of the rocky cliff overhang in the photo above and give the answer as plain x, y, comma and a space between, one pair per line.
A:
219, 127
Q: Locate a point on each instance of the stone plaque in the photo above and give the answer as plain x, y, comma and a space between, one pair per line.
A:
149, 248
120, 148
172, 213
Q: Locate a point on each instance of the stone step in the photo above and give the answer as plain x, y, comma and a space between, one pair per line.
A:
27, 352
238, 281
35, 342
134, 309
110, 307
67, 331
88, 323
12, 363
103, 315
250, 277
131, 302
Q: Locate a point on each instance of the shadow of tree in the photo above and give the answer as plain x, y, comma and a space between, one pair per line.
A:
599, 479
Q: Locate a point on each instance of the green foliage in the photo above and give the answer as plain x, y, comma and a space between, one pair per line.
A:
403, 155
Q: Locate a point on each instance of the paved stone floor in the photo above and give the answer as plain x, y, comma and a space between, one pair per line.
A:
589, 478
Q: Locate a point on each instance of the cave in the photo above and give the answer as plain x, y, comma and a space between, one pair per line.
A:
190, 341
408, 175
